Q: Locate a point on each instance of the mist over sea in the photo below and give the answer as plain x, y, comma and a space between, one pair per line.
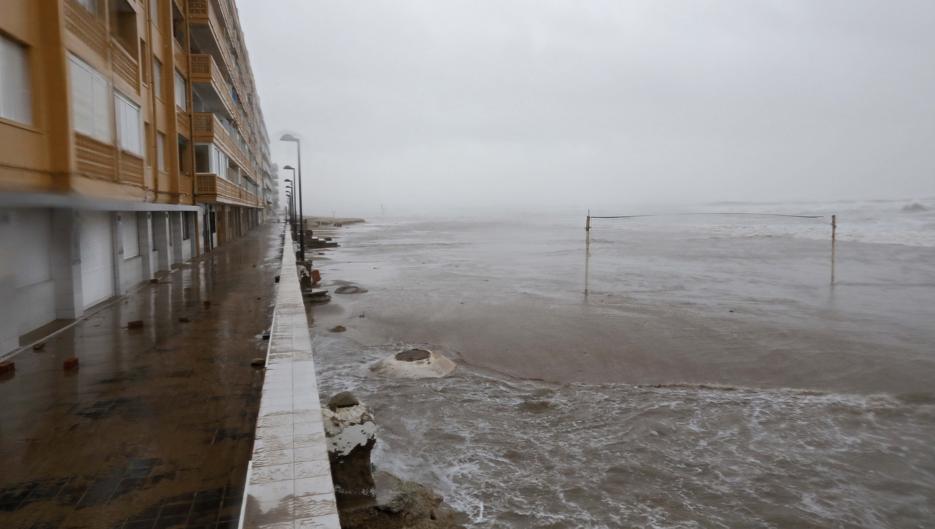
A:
711, 376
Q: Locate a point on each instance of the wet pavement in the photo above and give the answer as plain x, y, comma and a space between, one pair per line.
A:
155, 428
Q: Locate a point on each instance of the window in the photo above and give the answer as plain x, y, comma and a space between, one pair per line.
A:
186, 225
90, 5
148, 138
154, 12
203, 158
157, 77
181, 95
147, 77
183, 148
15, 96
161, 151
128, 125
90, 100
130, 234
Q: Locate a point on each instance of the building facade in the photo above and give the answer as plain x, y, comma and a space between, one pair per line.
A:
131, 139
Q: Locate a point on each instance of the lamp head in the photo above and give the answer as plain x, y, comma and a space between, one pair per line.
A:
288, 168
289, 137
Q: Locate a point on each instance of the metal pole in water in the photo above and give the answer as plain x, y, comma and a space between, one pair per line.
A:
834, 240
587, 253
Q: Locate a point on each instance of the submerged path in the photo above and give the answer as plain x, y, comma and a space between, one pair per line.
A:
155, 428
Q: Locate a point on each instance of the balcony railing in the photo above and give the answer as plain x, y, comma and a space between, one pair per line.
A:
125, 65
86, 26
210, 187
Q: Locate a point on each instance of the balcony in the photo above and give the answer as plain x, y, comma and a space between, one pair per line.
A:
210, 85
207, 128
209, 33
212, 188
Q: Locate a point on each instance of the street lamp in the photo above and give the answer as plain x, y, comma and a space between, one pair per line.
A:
289, 209
298, 150
291, 186
300, 220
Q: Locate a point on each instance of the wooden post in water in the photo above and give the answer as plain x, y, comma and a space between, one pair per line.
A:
834, 241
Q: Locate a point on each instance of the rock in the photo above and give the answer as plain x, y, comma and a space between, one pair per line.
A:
351, 434
258, 362
350, 289
915, 207
338, 328
414, 363
344, 399
401, 505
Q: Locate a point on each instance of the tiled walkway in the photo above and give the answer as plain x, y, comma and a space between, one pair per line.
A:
155, 428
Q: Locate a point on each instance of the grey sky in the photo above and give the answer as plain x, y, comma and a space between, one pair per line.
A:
587, 103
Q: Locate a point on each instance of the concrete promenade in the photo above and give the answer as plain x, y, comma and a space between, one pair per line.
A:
156, 427
290, 484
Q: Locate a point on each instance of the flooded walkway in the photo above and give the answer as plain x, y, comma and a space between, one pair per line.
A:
155, 428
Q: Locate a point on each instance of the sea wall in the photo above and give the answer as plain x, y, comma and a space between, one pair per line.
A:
289, 479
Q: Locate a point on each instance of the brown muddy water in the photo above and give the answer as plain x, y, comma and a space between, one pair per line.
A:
710, 378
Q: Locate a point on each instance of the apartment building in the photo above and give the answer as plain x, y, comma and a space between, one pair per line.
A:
131, 139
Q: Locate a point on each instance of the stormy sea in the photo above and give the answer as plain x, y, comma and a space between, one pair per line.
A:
684, 367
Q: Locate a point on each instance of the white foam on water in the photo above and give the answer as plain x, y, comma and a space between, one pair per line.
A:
519, 454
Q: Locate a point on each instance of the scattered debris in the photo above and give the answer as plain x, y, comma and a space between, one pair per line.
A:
70, 363
135, 324
258, 362
266, 334
361, 315
207, 304
7, 368
154, 280
317, 296
183, 319
39, 346
316, 276
338, 328
276, 279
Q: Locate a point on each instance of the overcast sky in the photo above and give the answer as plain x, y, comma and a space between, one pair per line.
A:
437, 103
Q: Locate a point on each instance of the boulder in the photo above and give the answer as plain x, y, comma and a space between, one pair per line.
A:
401, 505
351, 434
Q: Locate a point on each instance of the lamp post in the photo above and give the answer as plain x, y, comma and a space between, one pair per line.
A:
298, 150
300, 218
289, 208
290, 185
